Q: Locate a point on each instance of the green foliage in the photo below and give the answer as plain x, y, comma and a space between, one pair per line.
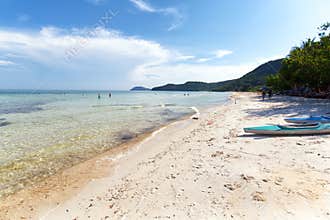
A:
307, 67
276, 83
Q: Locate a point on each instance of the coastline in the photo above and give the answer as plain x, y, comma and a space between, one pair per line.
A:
47, 133
66, 183
204, 168
61, 186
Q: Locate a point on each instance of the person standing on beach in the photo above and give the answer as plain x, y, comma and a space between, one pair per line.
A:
109, 94
263, 95
99, 96
270, 93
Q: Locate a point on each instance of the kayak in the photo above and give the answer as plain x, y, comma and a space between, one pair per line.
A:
309, 129
311, 119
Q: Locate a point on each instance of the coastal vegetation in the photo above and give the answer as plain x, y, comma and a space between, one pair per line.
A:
306, 70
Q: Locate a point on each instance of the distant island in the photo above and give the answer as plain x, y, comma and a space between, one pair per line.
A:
249, 82
139, 88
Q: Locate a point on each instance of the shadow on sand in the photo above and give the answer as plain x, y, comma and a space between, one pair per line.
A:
288, 107
261, 137
292, 107
256, 137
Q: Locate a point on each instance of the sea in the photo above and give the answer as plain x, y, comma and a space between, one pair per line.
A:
43, 132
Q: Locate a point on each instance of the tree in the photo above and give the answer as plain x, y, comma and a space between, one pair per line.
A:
307, 66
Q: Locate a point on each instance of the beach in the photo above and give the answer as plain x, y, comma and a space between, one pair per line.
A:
196, 169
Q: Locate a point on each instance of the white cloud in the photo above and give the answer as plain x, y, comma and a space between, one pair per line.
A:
222, 53
143, 6
173, 12
102, 60
218, 54
203, 60
106, 59
178, 18
185, 57
6, 63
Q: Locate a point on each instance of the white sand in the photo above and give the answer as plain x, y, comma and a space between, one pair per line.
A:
208, 169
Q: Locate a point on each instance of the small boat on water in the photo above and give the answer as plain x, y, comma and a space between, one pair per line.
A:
311, 119
305, 129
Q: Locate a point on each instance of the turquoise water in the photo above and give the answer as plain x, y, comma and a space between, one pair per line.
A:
42, 132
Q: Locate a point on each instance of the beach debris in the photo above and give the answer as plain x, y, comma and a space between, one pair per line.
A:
232, 156
195, 117
198, 166
309, 152
232, 187
217, 153
258, 196
232, 133
279, 180
247, 178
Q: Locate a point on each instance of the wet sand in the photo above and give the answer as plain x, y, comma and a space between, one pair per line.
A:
197, 169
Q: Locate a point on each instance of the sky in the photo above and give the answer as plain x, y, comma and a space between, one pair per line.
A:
118, 44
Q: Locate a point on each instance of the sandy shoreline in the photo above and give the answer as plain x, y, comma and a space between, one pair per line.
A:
198, 169
63, 185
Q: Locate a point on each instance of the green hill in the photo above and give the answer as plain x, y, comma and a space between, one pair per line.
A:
249, 81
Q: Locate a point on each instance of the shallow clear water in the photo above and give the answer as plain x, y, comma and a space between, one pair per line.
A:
43, 132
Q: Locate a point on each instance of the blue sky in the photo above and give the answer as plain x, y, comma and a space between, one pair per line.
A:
108, 44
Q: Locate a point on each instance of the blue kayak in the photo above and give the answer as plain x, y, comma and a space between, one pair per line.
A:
311, 119
310, 129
